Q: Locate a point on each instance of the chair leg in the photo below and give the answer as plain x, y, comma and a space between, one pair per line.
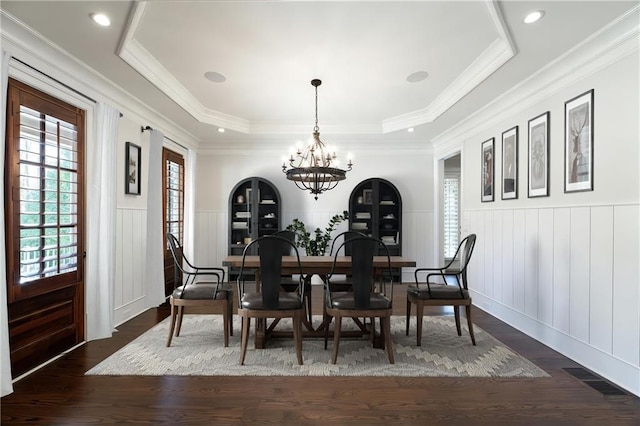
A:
419, 314
326, 330
225, 324
179, 326
456, 314
173, 323
309, 313
470, 324
336, 339
297, 334
246, 324
386, 330
408, 314
372, 332
230, 307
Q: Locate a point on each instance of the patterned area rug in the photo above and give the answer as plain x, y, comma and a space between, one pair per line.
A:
199, 351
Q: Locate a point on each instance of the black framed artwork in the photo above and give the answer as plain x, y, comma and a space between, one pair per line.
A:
510, 164
538, 156
578, 143
488, 170
133, 157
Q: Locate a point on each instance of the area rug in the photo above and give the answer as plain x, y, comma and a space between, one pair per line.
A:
199, 351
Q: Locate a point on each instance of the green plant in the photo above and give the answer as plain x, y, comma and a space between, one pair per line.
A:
318, 245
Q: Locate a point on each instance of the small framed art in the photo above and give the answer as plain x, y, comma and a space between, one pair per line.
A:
578, 143
510, 164
538, 156
133, 154
488, 170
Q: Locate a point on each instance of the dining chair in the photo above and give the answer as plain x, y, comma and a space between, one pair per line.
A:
365, 299
187, 292
452, 291
270, 302
344, 283
289, 283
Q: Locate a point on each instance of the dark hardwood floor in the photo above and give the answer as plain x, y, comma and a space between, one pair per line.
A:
60, 394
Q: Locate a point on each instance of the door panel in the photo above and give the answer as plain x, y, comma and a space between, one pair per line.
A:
44, 222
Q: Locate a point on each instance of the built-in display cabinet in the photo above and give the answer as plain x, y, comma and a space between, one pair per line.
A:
375, 209
254, 211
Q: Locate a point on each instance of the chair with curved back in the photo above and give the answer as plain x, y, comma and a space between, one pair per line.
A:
342, 284
428, 293
270, 301
290, 283
216, 295
365, 300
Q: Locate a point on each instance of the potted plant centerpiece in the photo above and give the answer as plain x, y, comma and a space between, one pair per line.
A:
316, 246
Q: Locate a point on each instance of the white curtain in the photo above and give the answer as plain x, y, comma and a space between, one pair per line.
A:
101, 242
154, 271
5, 351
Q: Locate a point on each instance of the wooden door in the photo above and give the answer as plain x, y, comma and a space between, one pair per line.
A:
173, 211
44, 222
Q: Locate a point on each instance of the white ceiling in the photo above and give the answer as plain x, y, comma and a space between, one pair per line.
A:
269, 51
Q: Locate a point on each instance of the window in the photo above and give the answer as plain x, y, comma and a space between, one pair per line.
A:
44, 201
451, 214
173, 178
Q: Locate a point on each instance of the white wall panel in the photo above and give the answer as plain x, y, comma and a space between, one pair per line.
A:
531, 263
579, 270
119, 275
601, 291
561, 268
545, 266
128, 247
488, 253
626, 279
507, 258
518, 259
497, 255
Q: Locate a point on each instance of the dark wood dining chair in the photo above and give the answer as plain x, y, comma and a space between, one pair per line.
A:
366, 298
216, 296
270, 301
452, 291
290, 283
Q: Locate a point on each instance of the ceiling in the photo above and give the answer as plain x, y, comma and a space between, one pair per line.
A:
268, 51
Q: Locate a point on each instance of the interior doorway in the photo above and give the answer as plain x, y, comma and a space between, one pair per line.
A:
451, 206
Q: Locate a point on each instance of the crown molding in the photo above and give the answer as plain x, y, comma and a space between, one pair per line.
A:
491, 59
603, 48
497, 54
29, 46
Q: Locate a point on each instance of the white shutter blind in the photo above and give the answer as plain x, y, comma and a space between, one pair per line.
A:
451, 213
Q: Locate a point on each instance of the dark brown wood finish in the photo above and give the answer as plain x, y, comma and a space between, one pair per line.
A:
60, 394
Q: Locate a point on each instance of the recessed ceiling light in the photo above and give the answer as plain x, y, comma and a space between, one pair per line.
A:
533, 16
220, 130
417, 76
101, 19
216, 77
410, 130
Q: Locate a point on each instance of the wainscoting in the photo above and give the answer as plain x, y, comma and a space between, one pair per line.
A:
567, 276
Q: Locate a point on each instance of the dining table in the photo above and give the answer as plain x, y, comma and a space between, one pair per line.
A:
312, 265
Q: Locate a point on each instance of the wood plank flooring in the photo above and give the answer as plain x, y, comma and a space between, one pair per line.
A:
60, 394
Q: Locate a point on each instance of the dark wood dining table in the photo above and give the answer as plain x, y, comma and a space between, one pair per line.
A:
311, 265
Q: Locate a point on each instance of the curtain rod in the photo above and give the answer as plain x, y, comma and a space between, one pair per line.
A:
66, 86
143, 128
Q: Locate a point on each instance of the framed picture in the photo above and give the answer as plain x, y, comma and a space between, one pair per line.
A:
488, 170
538, 157
578, 143
367, 194
133, 154
510, 164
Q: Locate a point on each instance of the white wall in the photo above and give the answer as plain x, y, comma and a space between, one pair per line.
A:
565, 268
409, 171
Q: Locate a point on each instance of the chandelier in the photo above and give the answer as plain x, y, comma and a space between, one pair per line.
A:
315, 168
